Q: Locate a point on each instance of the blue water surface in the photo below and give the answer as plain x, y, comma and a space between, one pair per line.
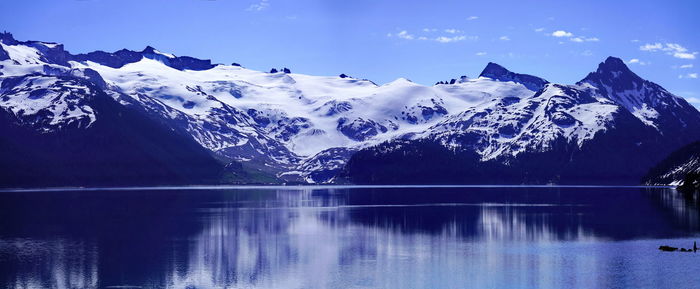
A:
348, 237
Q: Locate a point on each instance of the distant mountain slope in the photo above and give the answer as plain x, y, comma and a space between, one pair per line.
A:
64, 131
609, 128
676, 167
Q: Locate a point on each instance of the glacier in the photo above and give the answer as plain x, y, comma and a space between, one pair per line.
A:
304, 128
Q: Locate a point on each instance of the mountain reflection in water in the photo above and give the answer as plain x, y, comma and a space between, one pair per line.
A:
347, 238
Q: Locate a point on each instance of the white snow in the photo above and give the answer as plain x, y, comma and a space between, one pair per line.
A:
23, 54
282, 96
168, 55
53, 98
303, 111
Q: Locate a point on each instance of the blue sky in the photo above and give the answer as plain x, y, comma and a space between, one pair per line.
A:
425, 41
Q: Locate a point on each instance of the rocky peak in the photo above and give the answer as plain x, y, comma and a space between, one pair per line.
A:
500, 73
7, 38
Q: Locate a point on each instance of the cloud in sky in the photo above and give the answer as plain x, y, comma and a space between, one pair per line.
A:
260, 6
684, 55
470, 18
636, 61
446, 39
693, 100
651, 47
480, 53
674, 49
689, 75
405, 35
539, 29
686, 66
571, 36
584, 39
504, 38
454, 37
562, 33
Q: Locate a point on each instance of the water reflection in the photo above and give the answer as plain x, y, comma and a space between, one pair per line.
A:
344, 238
57, 263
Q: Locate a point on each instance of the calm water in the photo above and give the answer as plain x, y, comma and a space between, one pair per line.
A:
447, 237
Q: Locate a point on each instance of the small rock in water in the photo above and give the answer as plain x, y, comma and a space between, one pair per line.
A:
668, 248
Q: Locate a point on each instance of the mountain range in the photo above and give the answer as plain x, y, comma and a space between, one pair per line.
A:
152, 117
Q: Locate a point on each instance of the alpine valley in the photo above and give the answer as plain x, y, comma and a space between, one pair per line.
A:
150, 117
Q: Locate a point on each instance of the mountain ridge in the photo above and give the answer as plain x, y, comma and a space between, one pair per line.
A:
305, 128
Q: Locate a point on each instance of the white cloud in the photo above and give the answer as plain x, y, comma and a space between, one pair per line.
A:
689, 75
539, 29
692, 99
684, 55
651, 47
446, 39
562, 33
262, 5
587, 53
634, 40
637, 61
504, 38
455, 37
480, 53
674, 49
470, 18
584, 39
405, 35
686, 66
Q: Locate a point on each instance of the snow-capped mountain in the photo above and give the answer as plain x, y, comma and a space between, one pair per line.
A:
305, 128
610, 127
65, 131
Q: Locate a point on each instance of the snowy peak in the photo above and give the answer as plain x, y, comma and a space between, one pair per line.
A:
613, 64
149, 50
277, 122
615, 74
7, 38
500, 73
122, 57
648, 101
179, 63
495, 70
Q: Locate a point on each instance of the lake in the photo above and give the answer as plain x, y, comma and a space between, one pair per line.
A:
348, 237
